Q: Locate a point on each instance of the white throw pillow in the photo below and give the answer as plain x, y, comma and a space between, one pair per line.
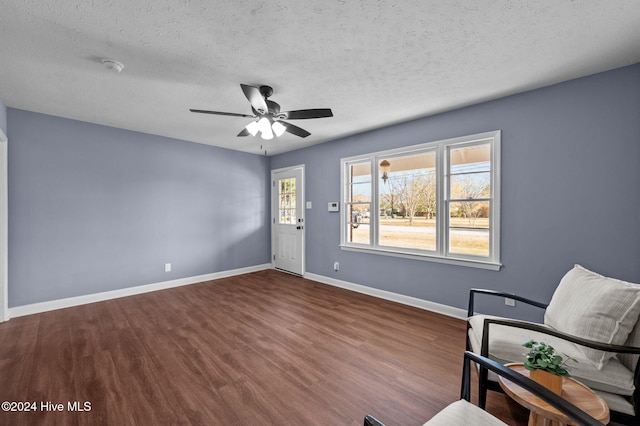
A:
594, 307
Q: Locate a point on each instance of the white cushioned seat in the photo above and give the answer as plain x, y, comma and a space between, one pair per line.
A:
463, 413
505, 345
616, 402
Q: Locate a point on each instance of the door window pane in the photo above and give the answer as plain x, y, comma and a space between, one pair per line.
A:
287, 207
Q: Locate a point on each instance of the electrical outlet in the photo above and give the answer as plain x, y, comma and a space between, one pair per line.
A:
336, 266
167, 267
509, 302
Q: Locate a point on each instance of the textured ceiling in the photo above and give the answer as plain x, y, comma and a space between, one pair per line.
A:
373, 62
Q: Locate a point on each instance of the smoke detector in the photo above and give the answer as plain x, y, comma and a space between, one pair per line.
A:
112, 65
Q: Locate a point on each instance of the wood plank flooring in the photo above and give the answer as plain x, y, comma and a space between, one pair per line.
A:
263, 348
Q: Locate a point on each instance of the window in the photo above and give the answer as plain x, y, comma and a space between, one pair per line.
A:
437, 201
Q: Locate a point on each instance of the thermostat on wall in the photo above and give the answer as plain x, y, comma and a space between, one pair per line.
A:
334, 206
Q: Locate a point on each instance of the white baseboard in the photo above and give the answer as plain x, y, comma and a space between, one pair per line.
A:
394, 297
36, 308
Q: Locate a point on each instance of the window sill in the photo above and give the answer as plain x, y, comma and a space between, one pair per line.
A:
425, 257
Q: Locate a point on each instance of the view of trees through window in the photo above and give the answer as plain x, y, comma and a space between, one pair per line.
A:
408, 200
470, 199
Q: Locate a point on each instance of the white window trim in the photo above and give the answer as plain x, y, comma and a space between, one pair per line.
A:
490, 263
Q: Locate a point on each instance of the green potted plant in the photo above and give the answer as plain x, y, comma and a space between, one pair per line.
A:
546, 367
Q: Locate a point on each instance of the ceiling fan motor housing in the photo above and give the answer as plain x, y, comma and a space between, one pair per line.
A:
266, 91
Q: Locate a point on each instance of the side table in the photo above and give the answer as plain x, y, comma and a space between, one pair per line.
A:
543, 413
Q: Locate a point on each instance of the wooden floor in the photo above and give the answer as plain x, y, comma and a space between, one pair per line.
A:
263, 348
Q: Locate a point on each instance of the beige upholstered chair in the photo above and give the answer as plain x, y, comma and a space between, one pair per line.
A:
463, 413
591, 318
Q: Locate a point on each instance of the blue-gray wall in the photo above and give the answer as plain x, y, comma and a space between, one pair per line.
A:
94, 208
3, 117
570, 191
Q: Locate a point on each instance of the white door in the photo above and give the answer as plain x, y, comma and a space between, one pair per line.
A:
287, 236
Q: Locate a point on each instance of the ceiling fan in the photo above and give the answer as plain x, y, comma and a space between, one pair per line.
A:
269, 117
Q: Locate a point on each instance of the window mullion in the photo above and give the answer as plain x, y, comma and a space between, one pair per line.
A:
442, 219
374, 214
464, 200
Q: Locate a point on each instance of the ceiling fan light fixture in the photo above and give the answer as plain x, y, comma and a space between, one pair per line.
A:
278, 128
265, 128
253, 128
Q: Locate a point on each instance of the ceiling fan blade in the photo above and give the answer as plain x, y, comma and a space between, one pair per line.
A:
244, 132
233, 114
306, 113
255, 98
295, 130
